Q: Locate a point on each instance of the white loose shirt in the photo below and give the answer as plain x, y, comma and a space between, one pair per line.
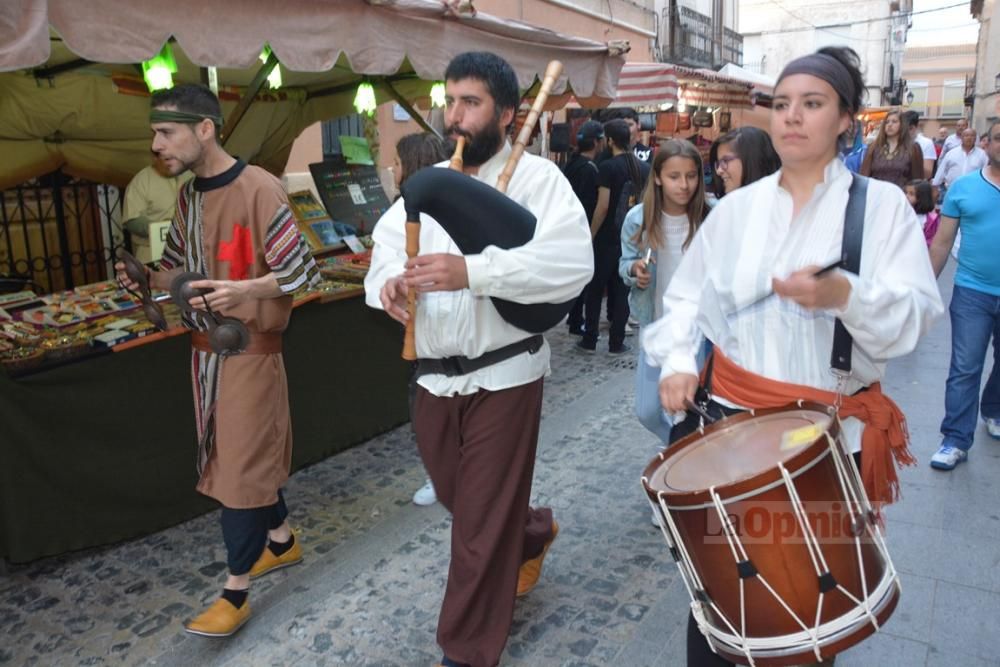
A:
957, 163
951, 142
926, 147
749, 238
553, 267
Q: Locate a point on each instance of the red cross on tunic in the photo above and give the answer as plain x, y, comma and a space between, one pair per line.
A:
238, 252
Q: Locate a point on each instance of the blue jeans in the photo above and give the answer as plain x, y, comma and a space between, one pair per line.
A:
647, 400
975, 318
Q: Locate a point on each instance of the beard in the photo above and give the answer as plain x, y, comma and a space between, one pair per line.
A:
479, 146
176, 167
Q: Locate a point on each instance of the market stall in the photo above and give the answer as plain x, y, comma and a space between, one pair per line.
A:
102, 450
98, 435
676, 101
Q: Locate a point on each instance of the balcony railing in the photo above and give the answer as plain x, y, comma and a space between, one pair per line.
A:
697, 44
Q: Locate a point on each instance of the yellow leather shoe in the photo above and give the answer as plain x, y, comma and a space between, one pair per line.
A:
221, 619
531, 570
268, 562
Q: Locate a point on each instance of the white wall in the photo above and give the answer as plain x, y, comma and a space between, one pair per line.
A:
780, 33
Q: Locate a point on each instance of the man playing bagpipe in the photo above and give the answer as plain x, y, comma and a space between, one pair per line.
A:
485, 259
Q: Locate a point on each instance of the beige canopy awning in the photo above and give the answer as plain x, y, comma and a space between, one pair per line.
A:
72, 95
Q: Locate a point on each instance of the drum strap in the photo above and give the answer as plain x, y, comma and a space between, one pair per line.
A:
850, 260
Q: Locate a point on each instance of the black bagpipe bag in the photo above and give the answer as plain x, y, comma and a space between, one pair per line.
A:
476, 216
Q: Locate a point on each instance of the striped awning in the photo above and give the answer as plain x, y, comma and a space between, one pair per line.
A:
705, 88
646, 84
656, 84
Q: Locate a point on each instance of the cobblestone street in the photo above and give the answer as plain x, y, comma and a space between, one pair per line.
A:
369, 590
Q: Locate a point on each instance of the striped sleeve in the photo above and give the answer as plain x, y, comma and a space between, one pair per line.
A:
288, 254
173, 248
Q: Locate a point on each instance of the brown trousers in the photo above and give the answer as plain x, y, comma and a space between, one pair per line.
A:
480, 453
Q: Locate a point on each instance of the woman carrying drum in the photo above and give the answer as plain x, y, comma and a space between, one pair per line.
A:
751, 283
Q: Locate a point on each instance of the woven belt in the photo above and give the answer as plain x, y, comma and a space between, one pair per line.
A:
260, 343
452, 366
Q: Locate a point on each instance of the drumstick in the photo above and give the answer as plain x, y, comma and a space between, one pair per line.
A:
412, 250
552, 73
701, 411
816, 274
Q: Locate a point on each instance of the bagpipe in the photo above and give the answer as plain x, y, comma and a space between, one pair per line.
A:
450, 197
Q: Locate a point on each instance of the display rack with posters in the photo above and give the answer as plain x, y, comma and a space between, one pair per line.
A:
352, 193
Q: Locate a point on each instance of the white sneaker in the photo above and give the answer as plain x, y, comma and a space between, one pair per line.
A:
947, 457
993, 427
425, 495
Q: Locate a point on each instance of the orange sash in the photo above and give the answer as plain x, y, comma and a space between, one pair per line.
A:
885, 439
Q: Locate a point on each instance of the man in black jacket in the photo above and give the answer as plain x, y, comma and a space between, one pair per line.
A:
581, 172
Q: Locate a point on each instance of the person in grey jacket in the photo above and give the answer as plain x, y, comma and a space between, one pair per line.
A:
654, 236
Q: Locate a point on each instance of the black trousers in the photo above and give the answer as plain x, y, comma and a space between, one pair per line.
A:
699, 653
606, 278
245, 533
575, 319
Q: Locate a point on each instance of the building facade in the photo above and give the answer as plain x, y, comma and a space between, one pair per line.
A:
985, 93
938, 81
775, 33
698, 33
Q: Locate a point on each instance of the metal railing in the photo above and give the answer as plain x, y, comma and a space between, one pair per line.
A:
57, 232
699, 46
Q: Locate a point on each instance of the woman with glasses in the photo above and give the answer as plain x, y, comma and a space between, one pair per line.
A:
741, 157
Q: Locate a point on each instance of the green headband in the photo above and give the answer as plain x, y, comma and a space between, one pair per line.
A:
172, 116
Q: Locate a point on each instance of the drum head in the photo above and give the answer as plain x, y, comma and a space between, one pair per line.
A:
727, 454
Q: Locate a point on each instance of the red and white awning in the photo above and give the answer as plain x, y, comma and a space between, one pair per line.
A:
656, 84
646, 84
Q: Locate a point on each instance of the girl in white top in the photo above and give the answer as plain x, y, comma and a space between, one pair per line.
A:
747, 280
654, 235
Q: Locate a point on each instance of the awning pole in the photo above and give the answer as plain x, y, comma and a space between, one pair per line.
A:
248, 97
414, 114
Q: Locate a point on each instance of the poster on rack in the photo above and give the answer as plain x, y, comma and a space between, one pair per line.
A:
352, 193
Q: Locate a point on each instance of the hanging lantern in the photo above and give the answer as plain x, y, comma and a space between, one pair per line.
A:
158, 71
364, 100
274, 78
437, 95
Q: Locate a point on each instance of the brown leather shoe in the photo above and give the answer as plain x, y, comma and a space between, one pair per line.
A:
221, 619
268, 562
531, 570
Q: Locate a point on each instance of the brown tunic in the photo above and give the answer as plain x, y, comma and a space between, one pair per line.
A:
237, 226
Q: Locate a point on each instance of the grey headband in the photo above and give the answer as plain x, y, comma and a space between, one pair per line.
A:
828, 68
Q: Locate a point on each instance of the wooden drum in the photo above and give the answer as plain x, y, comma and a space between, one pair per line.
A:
775, 539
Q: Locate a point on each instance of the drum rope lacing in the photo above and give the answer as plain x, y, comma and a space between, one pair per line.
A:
809, 638
862, 506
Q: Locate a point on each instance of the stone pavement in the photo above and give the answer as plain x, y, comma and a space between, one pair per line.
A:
369, 590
